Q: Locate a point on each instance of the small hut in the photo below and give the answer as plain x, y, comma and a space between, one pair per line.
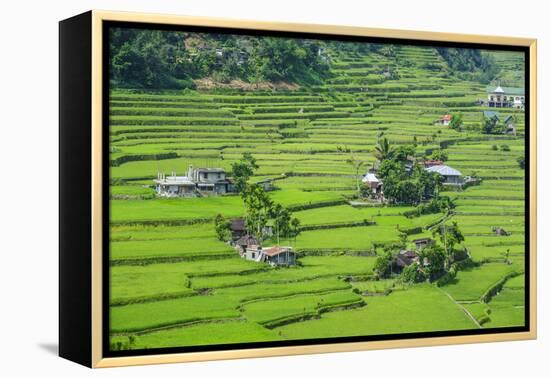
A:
238, 228
422, 243
279, 255
500, 231
445, 120
405, 258
245, 242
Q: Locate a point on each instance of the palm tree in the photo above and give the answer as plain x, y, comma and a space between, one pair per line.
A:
295, 227
356, 163
383, 149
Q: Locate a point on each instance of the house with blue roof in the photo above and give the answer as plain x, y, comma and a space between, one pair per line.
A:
509, 123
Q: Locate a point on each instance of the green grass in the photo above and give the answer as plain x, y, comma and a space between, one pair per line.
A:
203, 293
420, 309
270, 311
168, 248
472, 283
228, 332
143, 316
312, 267
376, 286
174, 209
154, 281
355, 238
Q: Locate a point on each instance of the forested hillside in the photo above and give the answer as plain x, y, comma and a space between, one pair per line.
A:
152, 59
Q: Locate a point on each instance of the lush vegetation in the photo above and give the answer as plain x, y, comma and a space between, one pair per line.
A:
142, 58
348, 108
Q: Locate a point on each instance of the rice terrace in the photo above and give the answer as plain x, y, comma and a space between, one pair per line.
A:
273, 189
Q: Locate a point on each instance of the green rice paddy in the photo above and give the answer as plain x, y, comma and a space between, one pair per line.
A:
173, 283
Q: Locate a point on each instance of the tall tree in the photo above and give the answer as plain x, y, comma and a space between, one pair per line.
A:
449, 236
456, 122
222, 226
282, 218
383, 149
243, 169
258, 208
295, 228
356, 163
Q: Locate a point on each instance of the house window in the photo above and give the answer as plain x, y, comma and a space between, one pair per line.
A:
253, 255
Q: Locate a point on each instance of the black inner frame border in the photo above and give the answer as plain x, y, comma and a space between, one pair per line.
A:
107, 25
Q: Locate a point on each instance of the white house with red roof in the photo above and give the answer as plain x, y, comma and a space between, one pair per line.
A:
275, 255
444, 120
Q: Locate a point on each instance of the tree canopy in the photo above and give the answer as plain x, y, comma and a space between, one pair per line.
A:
406, 181
155, 59
471, 64
243, 169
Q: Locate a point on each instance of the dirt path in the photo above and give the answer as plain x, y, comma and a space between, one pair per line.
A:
462, 308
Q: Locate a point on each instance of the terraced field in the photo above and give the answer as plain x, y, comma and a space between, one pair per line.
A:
173, 283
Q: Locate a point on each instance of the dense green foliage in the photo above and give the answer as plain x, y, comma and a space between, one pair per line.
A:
470, 63
405, 180
142, 58
242, 170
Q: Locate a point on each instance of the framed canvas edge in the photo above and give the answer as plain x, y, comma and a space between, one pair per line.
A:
99, 16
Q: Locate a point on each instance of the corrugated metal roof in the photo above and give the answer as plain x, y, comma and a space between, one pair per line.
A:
370, 177
272, 251
247, 240
491, 114
444, 170
175, 180
209, 170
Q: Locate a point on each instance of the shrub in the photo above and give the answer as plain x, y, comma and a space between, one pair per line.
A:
412, 274
521, 162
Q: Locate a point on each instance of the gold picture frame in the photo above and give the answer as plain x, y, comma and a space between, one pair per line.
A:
93, 354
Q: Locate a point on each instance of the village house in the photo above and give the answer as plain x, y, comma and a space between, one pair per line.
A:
242, 57
210, 180
422, 243
272, 255
430, 163
506, 97
174, 186
253, 252
444, 120
509, 126
198, 181
245, 242
373, 182
279, 255
450, 175
237, 226
405, 258
266, 184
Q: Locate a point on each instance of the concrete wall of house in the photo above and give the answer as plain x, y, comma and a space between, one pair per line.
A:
453, 180
251, 254
283, 259
220, 188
